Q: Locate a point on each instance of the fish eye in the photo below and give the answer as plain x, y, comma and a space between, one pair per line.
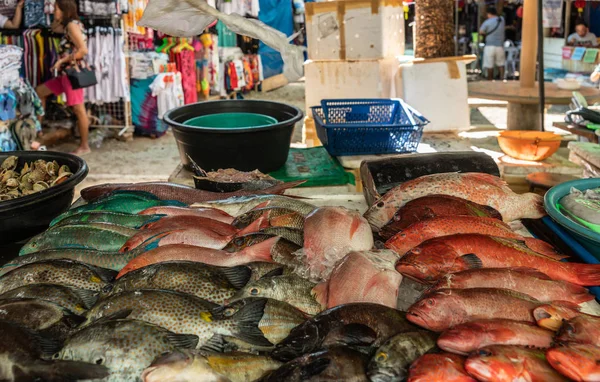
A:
430, 302
254, 291
56, 356
416, 251
99, 361
380, 204
228, 312
569, 328
381, 357
238, 241
484, 353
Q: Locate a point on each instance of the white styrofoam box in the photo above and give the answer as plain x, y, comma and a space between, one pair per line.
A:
351, 79
439, 91
355, 29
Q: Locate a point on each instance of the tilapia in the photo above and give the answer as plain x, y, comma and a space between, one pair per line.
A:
117, 218
125, 347
502, 363
62, 272
197, 236
367, 276
193, 366
258, 252
466, 338
445, 308
237, 206
21, 358
479, 188
108, 260
486, 228
173, 191
439, 367
334, 364
41, 316
291, 289
391, 361
579, 362
583, 329
524, 280
211, 213
439, 260
182, 313
330, 233
98, 236
360, 326
431, 206
75, 300
278, 318
214, 284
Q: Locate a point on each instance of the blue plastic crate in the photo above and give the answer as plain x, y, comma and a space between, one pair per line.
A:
368, 126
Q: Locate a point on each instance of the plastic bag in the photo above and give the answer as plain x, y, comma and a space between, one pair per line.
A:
191, 17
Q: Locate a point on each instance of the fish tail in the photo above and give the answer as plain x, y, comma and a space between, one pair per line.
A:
247, 319
59, 370
280, 188
261, 251
584, 274
533, 206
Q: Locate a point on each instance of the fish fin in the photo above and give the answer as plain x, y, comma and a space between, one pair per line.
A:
248, 318
472, 261
63, 371
314, 368
183, 341
238, 276
531, 272
253, 227
321, 293
174, 203
584, 274
273, 273
566, 304
151, 243
293, 235
543, 248
150, 222
215, 344
487, 178
280, 188
48, 345
88, 297
106, 275
141, 194
262, 250
356, 223
350, 335
119, 315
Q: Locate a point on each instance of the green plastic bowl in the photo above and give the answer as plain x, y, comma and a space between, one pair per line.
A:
231, 121
586, 237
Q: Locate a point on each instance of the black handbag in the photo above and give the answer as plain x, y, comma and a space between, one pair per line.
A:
81, 77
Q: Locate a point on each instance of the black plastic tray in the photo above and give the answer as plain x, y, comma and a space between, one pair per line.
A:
29, 215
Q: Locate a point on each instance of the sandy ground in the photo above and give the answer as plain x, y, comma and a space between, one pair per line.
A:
146, 159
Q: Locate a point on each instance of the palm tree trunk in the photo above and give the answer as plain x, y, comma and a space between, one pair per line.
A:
434, 28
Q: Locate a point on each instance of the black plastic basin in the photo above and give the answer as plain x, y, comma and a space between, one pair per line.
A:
264, 148
29, 215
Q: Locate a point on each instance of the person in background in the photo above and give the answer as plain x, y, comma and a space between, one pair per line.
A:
73, 50
15, 22
493, 53
582, 35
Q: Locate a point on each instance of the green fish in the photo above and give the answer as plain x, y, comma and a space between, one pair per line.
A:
214, 284
124, 202
63, 272
99, 236
118, 218
184, 313
125, 347
109, 260
75, 300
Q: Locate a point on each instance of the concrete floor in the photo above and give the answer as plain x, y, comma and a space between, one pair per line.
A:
146, 159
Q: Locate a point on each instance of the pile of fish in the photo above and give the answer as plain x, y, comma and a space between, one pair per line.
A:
157, 282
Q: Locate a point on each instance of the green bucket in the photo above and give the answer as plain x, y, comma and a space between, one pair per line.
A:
231, 121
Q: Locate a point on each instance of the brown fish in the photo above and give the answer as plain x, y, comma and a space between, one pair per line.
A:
173, 191
431, 206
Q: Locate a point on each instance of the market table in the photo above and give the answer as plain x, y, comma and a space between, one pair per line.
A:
523, 113
590, 135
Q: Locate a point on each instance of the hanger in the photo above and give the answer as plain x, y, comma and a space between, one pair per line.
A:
183, 45
172, 43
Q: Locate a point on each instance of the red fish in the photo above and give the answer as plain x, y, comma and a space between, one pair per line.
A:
440, 367
524, 280
437, 258
500, 363
198, 236
367, 276
480, 188
170, 223
583, 329
580, 362
422, 231
466, 338
258, 252
211, 213
432, 206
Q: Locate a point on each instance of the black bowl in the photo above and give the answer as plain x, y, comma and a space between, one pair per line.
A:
29, 215
265, 148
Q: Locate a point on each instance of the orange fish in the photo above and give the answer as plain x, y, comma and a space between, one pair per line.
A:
480, 188
580, 362
583, 329
211, 213
466, 338
441, 367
